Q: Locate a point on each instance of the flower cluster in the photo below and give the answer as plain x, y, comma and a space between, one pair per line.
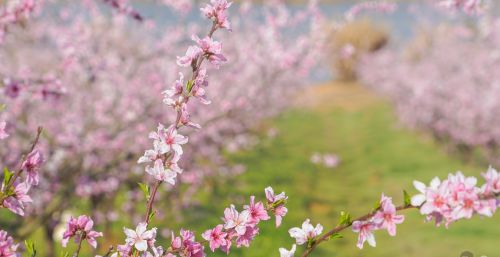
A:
457, 197
239, 229
217, 11
167, 144
14, 191
242, 227
7, 246
81, 229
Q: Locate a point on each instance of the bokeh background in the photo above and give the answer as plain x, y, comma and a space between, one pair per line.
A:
353, 128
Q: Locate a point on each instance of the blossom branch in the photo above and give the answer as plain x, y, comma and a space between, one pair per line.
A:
23, 158
339, 228
448, 201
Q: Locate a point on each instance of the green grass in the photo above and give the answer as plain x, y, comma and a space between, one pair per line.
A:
377, 156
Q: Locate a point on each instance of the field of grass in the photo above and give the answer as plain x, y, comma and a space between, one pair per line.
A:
377, 156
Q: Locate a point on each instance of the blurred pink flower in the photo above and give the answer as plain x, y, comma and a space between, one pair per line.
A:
31, 165
19, 197
3, 133
217, 11
7, 246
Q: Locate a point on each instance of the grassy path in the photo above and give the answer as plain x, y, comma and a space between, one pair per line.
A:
377, 156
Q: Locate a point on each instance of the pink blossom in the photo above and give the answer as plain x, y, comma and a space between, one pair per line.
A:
192, 53
247, 237
455, 198
306, 233
16, 201
125, 250
81, 229
149, 156
175, 92
215, 237
280, 211
285, 253
277, 203
186, 118
211, 49
31, 165
386, 217
7, 246
141, 237
187, 245
159, 172
235, 220
3, 133
217, 11
257, 211
492, 178
168, 140
365, 230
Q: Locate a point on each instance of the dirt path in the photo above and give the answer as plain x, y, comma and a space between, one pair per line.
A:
350, 96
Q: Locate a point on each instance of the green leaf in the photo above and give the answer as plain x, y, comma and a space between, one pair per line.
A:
7, 175
189, 86
335, 236
151, 215
144, 188
376, 206
30, 248
64, 254
407, 198
345, 218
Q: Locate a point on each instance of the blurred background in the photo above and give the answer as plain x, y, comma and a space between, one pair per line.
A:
330, 104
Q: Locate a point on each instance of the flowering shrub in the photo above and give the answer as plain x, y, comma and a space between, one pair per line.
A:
433, 89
